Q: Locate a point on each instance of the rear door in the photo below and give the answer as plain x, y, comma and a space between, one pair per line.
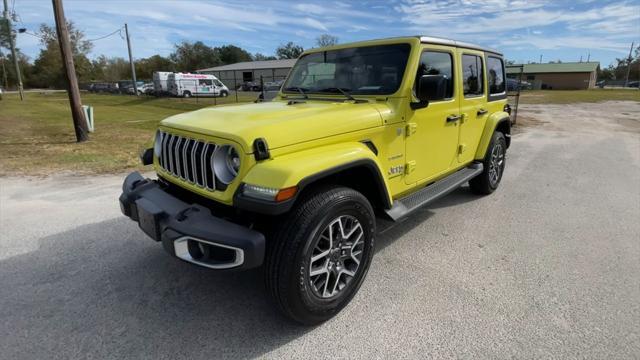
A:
473, 102
432, 132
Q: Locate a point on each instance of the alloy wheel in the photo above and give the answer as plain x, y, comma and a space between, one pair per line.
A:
336, 256
496, 164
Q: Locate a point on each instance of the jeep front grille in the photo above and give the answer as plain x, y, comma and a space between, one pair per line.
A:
188, 159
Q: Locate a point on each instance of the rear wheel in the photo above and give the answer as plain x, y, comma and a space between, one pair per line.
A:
319, 257
494, 163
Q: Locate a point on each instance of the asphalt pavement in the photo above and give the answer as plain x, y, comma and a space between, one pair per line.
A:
546, 267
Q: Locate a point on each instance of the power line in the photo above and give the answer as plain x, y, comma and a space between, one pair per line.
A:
106, 36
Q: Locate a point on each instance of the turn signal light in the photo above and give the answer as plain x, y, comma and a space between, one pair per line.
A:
286, 194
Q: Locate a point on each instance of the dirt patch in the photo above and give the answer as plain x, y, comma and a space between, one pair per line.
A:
581, 117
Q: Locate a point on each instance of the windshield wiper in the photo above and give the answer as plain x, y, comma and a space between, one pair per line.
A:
298, 89
344, 92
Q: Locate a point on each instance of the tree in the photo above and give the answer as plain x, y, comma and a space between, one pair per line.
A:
48, 69
23, 63
289, 51
262, 57
146, 67
4, 33
193, 56
230, 54
326, 40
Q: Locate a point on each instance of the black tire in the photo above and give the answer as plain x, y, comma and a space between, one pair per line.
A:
288, 264
488, 181
186, 94
224, 94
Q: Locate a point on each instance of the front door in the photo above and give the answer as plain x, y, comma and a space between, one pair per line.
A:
472, 103
205, 87
432, 132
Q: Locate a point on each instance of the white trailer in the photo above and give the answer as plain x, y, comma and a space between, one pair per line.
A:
160, 85
187, 85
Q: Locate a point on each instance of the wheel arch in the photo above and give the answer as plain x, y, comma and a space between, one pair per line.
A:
498, 121
352, 165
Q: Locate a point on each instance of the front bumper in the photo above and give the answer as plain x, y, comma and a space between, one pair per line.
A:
190, 231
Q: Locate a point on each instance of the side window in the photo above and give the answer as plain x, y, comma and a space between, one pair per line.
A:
495, 75
472, 76
205, 82
437, 63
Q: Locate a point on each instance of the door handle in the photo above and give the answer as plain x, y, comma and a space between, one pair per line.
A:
482, 112
452, 118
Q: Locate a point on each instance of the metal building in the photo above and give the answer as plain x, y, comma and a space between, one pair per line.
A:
557, 76
234, 75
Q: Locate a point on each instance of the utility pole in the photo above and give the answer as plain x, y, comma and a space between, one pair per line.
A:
133, 67
12, 43
540, 59
588, 56
79, 121
629, 59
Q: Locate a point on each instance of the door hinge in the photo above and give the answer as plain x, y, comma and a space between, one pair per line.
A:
410, 167
411, 129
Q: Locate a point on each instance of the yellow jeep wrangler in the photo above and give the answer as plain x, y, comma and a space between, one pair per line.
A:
358, 131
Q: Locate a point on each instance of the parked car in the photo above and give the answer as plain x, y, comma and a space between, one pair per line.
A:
103, 87
294, 185
633, 84
143, 88
512, 85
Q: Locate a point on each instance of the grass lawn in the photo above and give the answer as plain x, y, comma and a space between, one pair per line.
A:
574, 96
37, 135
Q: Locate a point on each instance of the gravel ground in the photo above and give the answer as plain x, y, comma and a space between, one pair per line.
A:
546, 267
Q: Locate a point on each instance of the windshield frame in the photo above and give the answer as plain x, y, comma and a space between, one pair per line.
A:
316, 93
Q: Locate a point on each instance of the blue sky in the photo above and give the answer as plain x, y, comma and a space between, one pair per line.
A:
522, 29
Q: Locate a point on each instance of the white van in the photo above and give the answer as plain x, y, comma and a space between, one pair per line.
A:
160, 85
187, 85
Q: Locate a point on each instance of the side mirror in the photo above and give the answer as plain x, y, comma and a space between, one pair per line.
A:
430, 88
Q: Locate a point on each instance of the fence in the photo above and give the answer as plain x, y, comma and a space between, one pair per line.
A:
222, 90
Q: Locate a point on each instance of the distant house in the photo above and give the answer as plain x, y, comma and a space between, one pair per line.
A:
561, 76
249, 71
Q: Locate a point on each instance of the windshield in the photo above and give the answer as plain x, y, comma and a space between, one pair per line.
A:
370, 70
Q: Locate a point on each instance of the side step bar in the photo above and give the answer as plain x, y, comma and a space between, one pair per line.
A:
406, 205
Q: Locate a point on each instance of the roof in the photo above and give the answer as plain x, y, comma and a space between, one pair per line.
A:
569, 67
450, 42
253, 65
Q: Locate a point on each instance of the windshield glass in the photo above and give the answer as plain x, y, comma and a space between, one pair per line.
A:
369, 70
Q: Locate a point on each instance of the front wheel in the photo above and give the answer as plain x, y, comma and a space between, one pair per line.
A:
494, 163
319, 257
224, 94
186, 94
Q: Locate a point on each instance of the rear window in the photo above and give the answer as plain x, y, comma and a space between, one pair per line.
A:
495, 75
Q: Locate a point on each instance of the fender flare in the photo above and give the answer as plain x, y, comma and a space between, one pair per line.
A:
496, 120
305, 168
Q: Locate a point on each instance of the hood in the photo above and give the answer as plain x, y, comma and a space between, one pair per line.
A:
277, 122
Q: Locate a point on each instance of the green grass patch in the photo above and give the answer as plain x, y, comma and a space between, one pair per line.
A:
37, 136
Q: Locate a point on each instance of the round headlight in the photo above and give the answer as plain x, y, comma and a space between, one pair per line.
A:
157, 145
226, 163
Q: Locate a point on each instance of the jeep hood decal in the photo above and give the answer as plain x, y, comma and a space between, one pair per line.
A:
280, 124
